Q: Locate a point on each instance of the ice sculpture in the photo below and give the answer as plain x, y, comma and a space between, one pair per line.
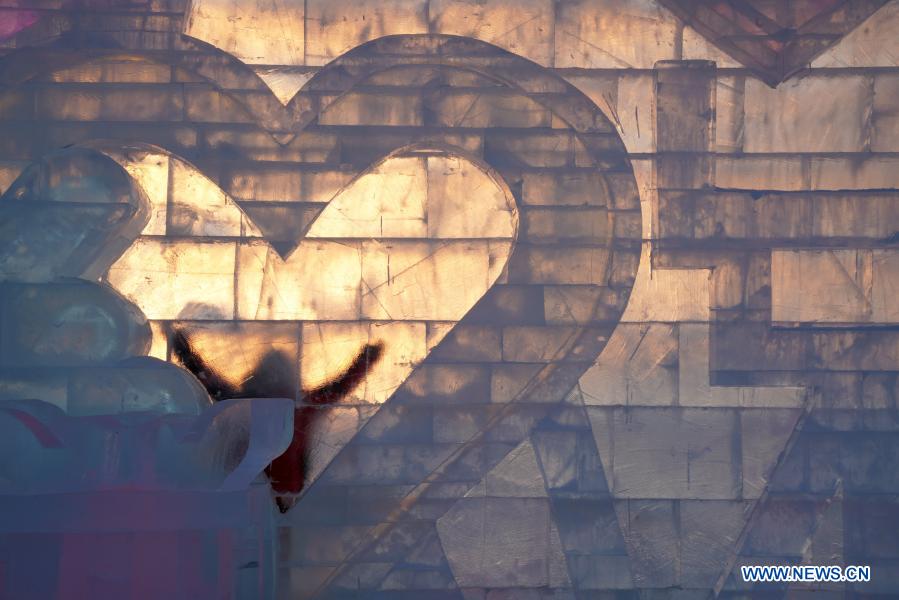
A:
118, 475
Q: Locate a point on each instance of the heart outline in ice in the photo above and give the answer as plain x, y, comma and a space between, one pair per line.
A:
588, 135
480, 242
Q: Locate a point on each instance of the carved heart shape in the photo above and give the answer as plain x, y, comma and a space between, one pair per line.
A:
774, 39
397, 257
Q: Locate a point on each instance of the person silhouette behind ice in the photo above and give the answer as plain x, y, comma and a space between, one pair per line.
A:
271, 378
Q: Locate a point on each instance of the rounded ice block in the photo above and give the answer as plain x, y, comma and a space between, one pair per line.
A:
71, 214
140, 384
68, 323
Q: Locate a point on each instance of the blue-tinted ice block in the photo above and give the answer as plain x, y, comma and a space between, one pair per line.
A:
139, 505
